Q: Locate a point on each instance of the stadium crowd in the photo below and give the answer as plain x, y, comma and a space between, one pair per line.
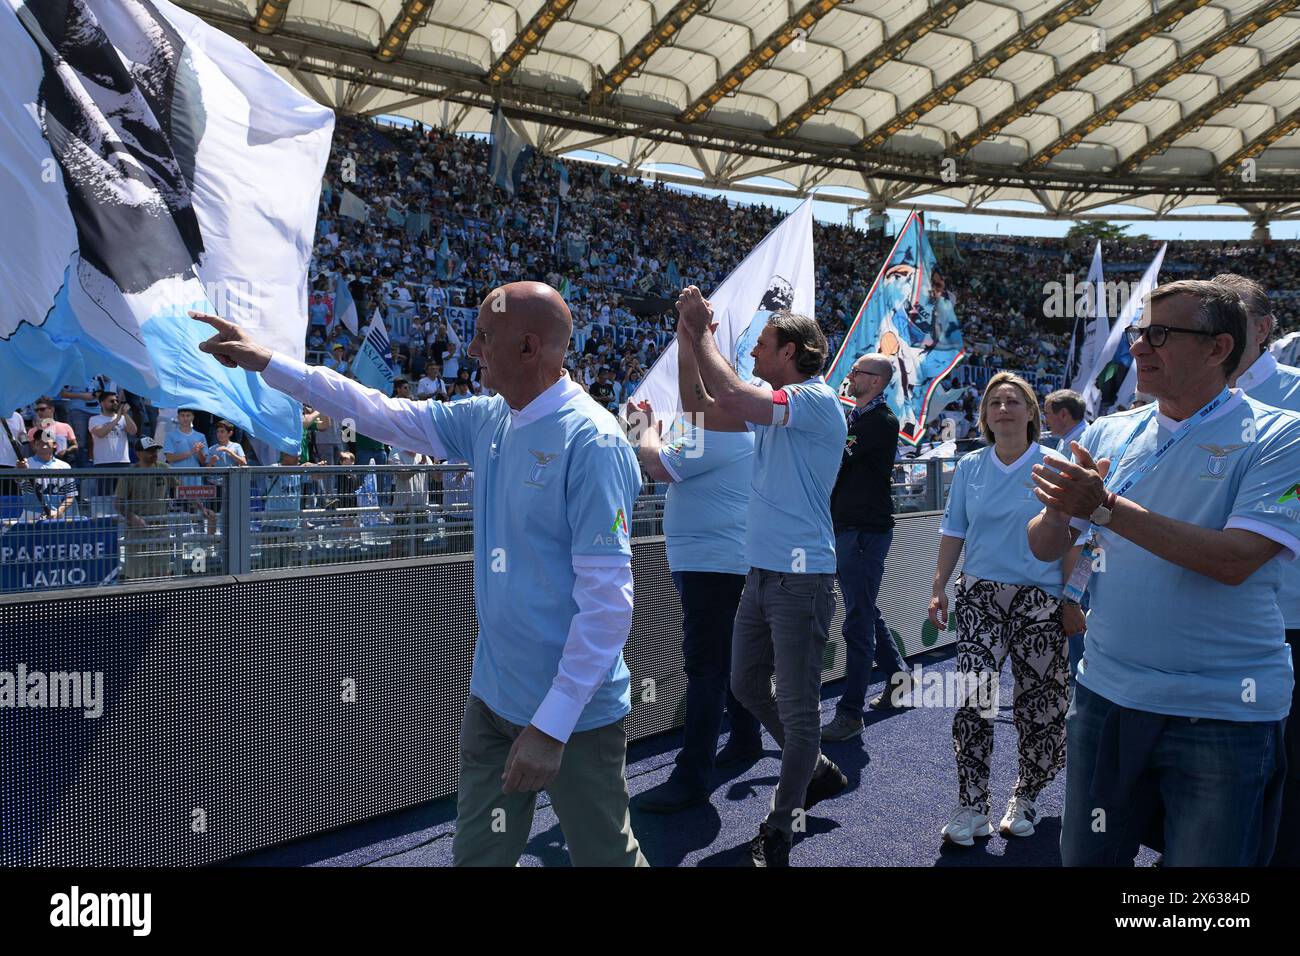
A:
438, 234
788, 499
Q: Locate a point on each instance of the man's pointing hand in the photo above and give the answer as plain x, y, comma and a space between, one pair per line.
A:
232, 346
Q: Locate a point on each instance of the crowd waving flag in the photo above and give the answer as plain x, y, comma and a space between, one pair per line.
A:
345, 307
370, 366
776, 276
150, 164
510, 153
910, 316
1113, 378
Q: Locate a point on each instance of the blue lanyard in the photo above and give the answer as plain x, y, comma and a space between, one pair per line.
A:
1154, 458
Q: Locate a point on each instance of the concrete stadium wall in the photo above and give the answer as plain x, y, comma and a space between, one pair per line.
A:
239, 713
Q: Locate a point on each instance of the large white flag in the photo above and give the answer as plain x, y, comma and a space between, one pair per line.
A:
150, 164
777, 275
1113, 379
1091, 327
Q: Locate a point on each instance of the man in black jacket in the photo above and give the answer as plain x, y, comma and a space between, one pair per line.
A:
862, 508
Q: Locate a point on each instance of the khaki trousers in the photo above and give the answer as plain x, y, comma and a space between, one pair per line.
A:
589, 795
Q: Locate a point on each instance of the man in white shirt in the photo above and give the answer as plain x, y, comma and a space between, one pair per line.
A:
431, 384
8, 457
549, 687
110, 434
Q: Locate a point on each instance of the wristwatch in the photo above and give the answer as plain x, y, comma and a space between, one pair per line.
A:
1101, 517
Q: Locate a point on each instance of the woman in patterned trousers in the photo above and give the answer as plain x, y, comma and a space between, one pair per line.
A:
1008, 604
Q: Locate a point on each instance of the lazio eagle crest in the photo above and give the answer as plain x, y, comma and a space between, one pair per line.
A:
1219, 457
543, 459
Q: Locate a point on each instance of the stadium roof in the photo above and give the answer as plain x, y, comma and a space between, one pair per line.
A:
955, 105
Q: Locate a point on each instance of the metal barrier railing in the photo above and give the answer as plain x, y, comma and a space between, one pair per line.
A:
87, 527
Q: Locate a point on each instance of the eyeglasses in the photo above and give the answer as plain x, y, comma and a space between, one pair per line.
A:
863, 371
1157, 335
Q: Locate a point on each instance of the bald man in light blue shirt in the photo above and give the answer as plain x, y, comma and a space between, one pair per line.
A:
555, 483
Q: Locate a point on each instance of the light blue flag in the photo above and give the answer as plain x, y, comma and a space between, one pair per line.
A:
178, 172
370, 367
345, 308
909, 316
417, 224
507, 148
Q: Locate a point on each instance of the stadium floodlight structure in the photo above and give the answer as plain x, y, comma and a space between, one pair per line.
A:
793, 29
528, 39
663, 32
270, 14
1140, 92
1029, 36
399, 31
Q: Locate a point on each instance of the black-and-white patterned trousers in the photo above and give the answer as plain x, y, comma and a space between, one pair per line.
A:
995, 619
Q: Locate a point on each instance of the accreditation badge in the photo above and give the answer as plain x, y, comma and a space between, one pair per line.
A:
1078, 582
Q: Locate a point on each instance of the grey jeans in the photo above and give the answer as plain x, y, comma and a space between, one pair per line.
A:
589, 795
782, 626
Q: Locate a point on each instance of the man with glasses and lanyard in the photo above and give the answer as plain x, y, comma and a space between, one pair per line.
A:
1185, 684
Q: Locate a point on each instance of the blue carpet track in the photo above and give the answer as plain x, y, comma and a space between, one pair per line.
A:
902, 787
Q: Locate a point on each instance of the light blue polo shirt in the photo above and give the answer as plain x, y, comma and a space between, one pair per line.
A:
1278, 385
704, 514
559, 486
788, 524
177, 442
989, 506
1165, 639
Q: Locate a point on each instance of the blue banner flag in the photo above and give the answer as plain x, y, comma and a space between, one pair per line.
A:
909, 316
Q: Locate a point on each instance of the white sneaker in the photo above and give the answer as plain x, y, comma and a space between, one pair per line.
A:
965, 824
1020, 818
